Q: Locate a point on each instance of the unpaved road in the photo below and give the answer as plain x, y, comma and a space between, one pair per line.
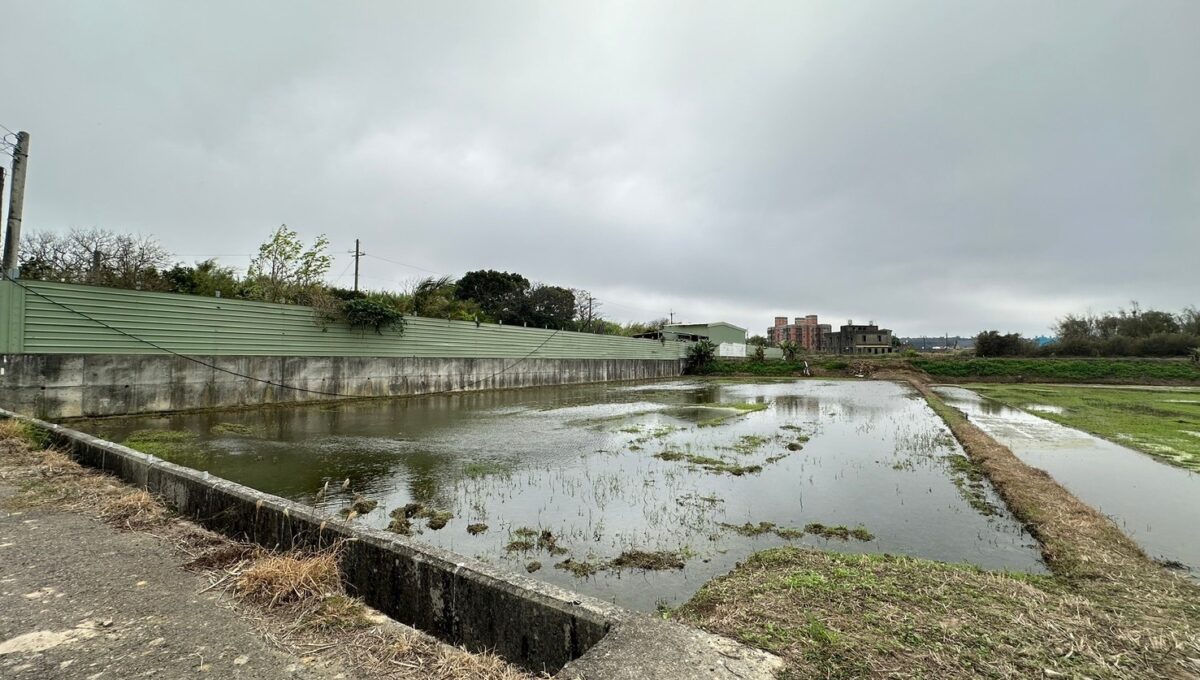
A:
79, 599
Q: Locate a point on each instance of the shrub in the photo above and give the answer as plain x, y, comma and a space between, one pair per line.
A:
364, 313
699, 356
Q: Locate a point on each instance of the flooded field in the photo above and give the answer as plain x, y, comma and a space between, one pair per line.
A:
1155, 503
636, 494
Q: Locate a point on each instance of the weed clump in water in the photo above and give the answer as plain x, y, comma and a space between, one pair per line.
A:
549, 542
436, 519
580, 569
400, 522
968, 479
648, 561
761, 528
477, 528
533, 566
839, 531
161, 443
237, 430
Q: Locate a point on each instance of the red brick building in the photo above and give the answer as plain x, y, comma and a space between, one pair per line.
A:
805, 332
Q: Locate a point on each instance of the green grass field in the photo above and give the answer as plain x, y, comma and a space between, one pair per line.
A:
1163, 423
1063, 370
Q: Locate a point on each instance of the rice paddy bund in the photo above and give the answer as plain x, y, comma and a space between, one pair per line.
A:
637, 494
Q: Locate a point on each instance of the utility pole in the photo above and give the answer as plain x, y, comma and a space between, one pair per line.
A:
16, 200
672, 313
357, 254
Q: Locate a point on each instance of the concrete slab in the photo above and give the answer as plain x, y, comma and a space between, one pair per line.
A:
644, 647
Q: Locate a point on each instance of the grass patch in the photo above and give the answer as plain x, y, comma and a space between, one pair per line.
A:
1158, 422
162, 443
1063, 370
477, 528
834, 615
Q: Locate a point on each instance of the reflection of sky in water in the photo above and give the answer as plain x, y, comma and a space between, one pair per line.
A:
1155, 503
579, 461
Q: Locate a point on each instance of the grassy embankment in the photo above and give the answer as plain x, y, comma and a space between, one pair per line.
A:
1162, 423
1105, 611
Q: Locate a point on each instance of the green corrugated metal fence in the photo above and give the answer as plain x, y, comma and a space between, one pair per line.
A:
48, 319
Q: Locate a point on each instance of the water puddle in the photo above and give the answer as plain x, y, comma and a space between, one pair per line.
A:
635, 494
1155, 503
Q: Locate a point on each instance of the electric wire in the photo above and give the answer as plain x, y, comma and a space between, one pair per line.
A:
272, 383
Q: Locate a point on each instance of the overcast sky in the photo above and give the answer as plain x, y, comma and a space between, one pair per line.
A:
933, 166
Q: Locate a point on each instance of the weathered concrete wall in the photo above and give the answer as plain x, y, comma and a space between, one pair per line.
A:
72, 385
458, 599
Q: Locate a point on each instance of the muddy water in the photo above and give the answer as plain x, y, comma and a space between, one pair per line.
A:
580, 462
1155, 503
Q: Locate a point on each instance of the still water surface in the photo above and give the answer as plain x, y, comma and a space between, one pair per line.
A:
1157, 504
580, 462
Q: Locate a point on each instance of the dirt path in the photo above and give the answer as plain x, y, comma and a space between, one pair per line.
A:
79, 599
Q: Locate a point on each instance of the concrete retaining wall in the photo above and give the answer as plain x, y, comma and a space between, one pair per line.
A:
56, 386
460, 600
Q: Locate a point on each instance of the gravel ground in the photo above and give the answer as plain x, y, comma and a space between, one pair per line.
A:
79, 599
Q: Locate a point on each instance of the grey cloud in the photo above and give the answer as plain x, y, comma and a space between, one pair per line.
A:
935, 166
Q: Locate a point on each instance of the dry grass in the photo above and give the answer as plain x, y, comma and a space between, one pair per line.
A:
290, 578
134, 510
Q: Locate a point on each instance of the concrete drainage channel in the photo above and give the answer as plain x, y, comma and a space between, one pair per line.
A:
536, 625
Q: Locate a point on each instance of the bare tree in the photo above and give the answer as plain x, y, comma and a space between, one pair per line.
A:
99, 256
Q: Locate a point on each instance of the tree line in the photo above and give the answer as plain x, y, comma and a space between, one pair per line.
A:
1126, 332
287, 270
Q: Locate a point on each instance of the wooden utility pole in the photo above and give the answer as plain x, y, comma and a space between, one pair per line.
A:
1, 192
16, 200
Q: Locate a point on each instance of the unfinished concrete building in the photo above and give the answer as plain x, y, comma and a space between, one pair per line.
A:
806, 332
859, 339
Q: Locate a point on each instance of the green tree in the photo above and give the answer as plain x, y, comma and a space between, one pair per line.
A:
500, 295
284, 270
549, 306
204, 278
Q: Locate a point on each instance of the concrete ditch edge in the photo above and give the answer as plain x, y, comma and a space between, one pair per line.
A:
465, 602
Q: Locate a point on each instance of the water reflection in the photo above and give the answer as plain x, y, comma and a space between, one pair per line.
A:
660, 466
1155, 503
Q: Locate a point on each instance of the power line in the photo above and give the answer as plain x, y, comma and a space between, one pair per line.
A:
404, 264
260, 380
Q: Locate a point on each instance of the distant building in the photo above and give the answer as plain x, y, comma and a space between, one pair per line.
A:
859, 339
806, 332
729, 339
